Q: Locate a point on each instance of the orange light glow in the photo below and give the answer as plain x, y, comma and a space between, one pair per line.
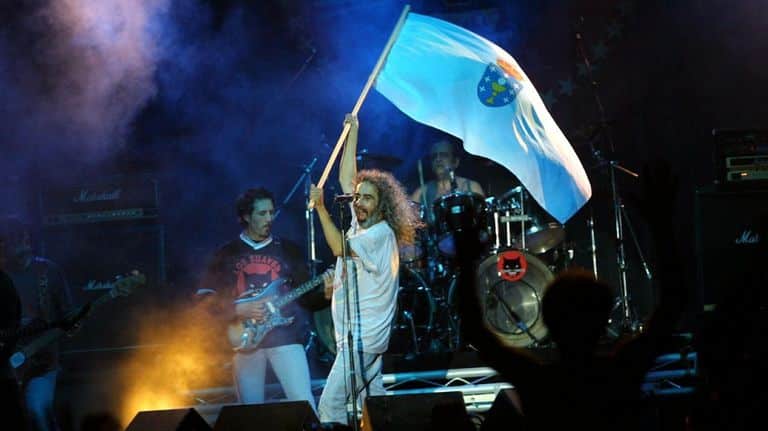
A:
189, 355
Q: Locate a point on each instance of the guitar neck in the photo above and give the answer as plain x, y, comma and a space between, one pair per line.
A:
103, 299
39, 326
297, 292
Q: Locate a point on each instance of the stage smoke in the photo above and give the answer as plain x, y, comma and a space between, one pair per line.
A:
80, 71
183, 350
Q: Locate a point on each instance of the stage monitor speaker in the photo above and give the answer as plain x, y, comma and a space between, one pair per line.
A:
168, 420
416, 412
504, 414
284, 416
731, 248
91, 256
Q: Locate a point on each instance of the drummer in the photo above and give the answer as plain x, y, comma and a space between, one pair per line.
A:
445, 161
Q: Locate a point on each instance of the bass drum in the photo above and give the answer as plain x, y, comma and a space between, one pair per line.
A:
510, 286
413, 323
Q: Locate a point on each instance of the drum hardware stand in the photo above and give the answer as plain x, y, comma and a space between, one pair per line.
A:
305, 178
593, 243
412, 325
629, 322
522, 226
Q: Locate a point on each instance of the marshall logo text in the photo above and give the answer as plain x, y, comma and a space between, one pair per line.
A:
748, 237
89, 196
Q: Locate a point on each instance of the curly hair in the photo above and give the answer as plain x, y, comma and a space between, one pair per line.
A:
396, 208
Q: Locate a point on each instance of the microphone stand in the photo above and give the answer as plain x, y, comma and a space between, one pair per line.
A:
629, 322
307, 180
351, 416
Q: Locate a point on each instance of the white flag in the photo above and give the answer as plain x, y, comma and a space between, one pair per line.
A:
449, 78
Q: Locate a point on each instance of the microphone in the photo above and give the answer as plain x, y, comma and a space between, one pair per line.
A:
452, 176
346, 197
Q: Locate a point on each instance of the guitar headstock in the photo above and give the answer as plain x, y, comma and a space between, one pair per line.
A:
330, 271
125, 285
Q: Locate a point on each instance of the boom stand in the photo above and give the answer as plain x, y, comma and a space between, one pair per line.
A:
629, 323
307, 180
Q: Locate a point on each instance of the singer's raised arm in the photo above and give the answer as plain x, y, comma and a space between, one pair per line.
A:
330, 231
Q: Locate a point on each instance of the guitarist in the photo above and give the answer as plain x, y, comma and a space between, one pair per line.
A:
45, 297
10, 320
249, 263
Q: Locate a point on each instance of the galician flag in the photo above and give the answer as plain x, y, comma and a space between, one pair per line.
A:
449, 78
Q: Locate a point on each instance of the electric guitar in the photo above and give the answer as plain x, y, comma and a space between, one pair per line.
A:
121, 287
246, 335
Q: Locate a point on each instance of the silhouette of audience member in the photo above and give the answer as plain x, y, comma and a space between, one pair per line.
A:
582, 387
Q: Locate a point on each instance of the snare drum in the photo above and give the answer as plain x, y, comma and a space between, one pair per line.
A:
454, 212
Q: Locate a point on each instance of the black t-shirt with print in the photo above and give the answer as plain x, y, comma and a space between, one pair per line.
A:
237, 267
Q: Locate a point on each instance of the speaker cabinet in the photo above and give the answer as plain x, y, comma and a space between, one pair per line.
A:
504, 414
731, 248
91, 256
417, 412
168, 420
285, 416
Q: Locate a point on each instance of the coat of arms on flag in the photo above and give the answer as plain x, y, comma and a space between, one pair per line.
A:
499, 85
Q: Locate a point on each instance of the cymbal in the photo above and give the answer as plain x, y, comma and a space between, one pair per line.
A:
380, 160
514, 191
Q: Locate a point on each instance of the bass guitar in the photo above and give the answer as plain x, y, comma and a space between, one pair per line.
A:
247, 334
121, 287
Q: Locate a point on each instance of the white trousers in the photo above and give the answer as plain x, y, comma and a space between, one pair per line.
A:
290, 366
335, 396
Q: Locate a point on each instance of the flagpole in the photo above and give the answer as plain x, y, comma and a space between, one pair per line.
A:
364, 93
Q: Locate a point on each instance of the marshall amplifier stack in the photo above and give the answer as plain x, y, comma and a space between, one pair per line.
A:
114, 199
732, 248
732, 224
741, 156
99, 230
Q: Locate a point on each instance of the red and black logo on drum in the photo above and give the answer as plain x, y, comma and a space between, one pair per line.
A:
512, 265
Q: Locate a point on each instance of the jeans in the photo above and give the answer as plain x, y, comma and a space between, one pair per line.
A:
290, 366
333, 401
38, 399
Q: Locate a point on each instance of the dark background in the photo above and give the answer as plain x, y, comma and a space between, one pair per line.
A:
210, 97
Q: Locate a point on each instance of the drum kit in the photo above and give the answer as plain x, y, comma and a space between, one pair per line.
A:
522, 249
